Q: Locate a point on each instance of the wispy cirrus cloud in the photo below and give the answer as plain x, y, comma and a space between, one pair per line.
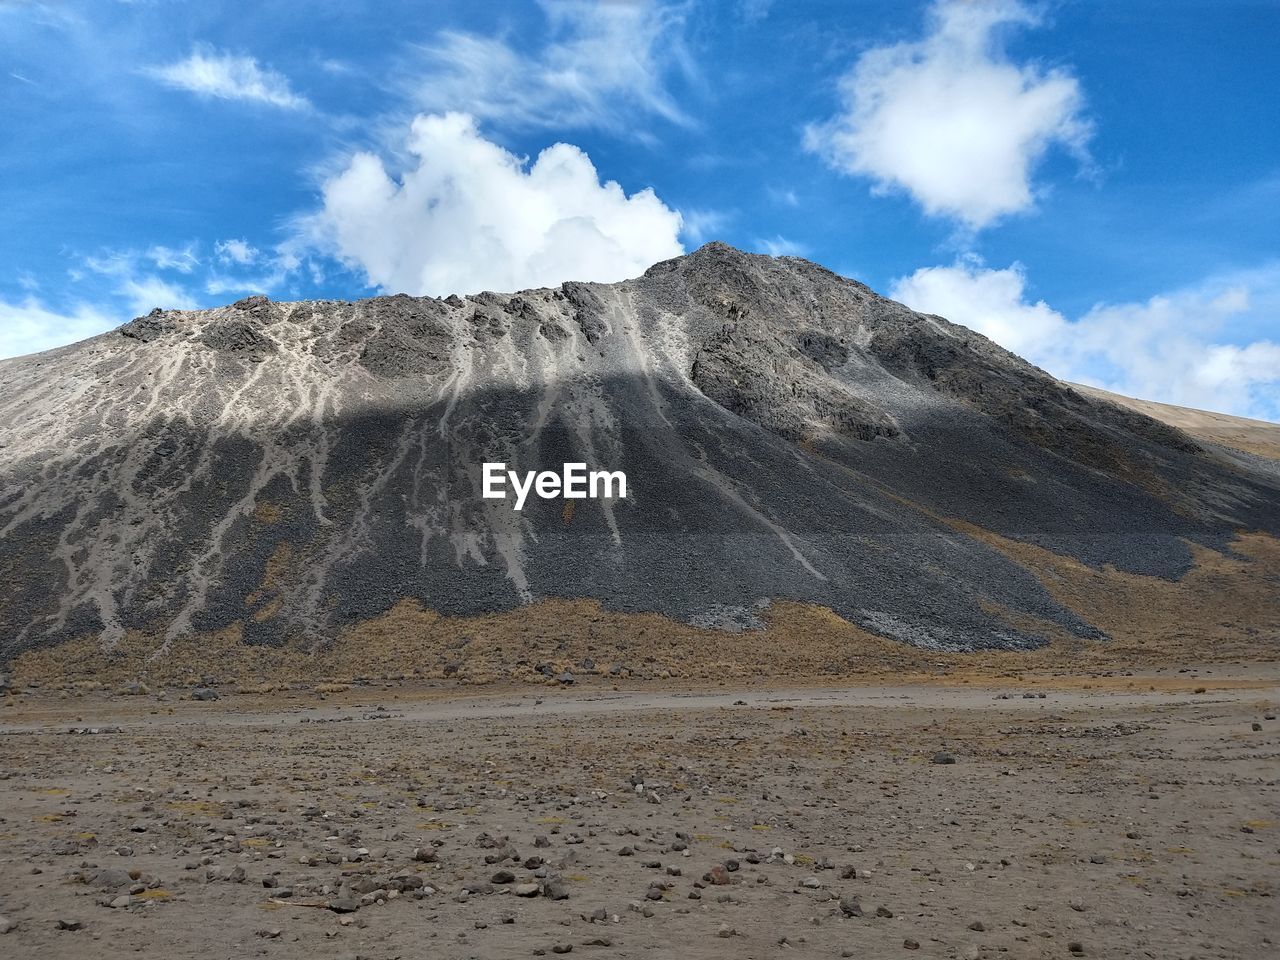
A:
780, 246
605, 63
208, 72
183, 259
236, 251
137, 285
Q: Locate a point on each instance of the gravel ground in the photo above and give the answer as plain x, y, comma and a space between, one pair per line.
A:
1119, 822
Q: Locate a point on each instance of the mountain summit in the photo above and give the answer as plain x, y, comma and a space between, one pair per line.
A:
293, 469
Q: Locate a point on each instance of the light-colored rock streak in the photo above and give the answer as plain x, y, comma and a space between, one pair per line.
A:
701, 467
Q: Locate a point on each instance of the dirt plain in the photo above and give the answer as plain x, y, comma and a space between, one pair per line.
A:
1120, 814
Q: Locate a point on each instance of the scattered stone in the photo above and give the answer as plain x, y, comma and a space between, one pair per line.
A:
554, 888
525, 889
942, 757
343, 905
850, 907
204, 693
910, 944
719, 876
725, 931
111, 878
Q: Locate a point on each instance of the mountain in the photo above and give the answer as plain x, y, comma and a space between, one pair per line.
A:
290, 471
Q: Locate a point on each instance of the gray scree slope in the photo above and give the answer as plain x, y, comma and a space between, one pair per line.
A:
787, 433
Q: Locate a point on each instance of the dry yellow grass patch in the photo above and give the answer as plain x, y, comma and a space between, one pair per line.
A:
1226, 608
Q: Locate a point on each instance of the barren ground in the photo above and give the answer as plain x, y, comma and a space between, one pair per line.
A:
1132, 816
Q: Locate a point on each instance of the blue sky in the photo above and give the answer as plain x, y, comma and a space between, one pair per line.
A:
1096, 185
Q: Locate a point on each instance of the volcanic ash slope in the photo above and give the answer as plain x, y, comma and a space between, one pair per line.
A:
786, 433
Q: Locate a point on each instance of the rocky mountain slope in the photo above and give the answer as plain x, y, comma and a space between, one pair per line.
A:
297, 468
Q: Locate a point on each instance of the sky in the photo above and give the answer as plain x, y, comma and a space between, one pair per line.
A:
1093, 184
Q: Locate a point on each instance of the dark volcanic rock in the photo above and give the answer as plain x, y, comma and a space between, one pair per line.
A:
149, 328
786, 433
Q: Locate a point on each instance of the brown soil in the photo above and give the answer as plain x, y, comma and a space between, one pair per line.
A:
1127, 822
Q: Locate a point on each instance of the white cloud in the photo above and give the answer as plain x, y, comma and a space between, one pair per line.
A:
784, 196
471, 216
699, 226
167, 258
605, 61
143, 294
989, 301
1189, 347
236, 251
779, 246
140, 290
950, 119
212, 73
235, 255
30, 327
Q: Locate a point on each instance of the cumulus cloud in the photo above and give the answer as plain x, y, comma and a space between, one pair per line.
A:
30, 327
950, 119
468, 215
226, 76
604, 61
1189, 347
